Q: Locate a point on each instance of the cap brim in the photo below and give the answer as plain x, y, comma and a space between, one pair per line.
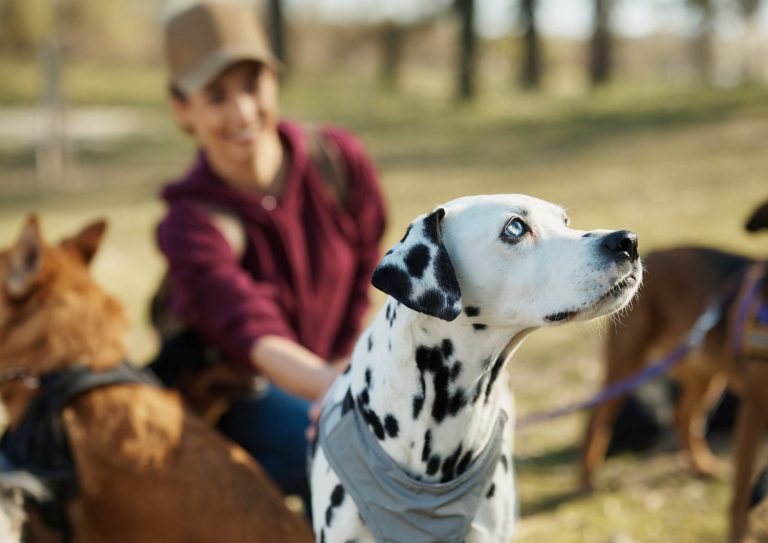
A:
217, 62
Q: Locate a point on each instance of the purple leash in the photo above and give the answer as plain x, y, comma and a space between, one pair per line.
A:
695, 338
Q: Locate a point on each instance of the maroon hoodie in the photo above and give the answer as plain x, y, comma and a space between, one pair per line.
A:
308, 260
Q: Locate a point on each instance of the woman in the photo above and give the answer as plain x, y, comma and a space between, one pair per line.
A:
293, 301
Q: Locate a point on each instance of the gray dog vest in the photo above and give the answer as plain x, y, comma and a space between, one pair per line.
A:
396, 507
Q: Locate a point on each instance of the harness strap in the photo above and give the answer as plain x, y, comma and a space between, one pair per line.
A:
747, 342
39, 444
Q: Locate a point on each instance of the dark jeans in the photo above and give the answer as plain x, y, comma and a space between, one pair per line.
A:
271, 426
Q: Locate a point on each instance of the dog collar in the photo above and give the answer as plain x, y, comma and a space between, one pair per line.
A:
395, 506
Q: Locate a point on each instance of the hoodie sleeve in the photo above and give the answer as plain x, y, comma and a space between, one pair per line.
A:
365, 204
212, 292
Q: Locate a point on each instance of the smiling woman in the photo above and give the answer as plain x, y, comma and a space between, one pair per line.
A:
270, 237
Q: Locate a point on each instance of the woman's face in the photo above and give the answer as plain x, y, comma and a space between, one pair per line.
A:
233, 113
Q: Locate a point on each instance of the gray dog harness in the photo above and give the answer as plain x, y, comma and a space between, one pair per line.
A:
396, 507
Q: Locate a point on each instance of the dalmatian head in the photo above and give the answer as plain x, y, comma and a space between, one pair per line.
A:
514, 260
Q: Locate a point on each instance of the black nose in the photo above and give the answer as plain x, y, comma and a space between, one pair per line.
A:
621, 243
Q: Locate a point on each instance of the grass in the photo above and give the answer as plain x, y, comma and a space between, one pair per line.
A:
678, 166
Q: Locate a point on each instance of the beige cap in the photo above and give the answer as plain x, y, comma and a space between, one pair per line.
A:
205, 38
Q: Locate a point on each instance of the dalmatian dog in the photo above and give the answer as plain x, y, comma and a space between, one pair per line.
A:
425, 404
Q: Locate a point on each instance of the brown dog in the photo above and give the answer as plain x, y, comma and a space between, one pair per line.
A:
679, 283
147, 469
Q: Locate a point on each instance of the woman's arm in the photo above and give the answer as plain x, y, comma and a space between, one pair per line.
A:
291, 367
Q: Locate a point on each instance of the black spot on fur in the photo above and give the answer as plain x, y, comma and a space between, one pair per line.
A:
478, 326
418, 405
456, 402
491, 491
455, 371
433, 465
322, 535
391, 426
445, 274
368, 377
434, 360
337, 496
364, 398
442, 399
432, 226
504, 462
370, 342
495, 370
464, 463
392, 280
472, 311
447, 348
476, 394
417, 260
426, 452
391, 314
348, 403
449, 465
431, 302
407, 231
372, 419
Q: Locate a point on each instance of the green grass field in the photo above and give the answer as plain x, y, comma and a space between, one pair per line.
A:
678, 166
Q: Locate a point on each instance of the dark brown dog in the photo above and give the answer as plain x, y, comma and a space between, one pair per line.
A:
147, 469
677, 287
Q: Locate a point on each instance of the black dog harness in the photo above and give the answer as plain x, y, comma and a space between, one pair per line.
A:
39, 444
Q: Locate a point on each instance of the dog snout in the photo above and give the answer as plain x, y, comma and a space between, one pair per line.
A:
621, 244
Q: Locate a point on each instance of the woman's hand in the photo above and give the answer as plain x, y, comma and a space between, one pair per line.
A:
316, 409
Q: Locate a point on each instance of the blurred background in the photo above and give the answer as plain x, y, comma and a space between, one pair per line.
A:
645, 114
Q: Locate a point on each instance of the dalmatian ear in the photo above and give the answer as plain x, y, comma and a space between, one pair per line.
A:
418, 272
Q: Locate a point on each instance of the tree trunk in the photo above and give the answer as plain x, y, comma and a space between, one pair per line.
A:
750, 61
392, 37
702, 47
467, 50
530, 73
277, 33
601, 50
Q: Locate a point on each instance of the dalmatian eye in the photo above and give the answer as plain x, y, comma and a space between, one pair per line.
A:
515, 229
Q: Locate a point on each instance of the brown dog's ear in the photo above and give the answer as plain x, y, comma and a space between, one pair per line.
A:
759, 219
86, 242
26, 259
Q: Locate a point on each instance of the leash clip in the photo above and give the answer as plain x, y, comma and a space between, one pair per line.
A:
703, 325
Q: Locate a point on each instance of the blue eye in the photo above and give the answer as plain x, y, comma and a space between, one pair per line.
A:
515, 228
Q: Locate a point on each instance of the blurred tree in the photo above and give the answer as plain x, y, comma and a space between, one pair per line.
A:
391, 38
23, 24
751, 47
530, 72
601, 44
703, 42
277, 33
467, 49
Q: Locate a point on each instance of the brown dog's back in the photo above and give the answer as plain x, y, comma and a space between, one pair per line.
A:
678, 285
148, 470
